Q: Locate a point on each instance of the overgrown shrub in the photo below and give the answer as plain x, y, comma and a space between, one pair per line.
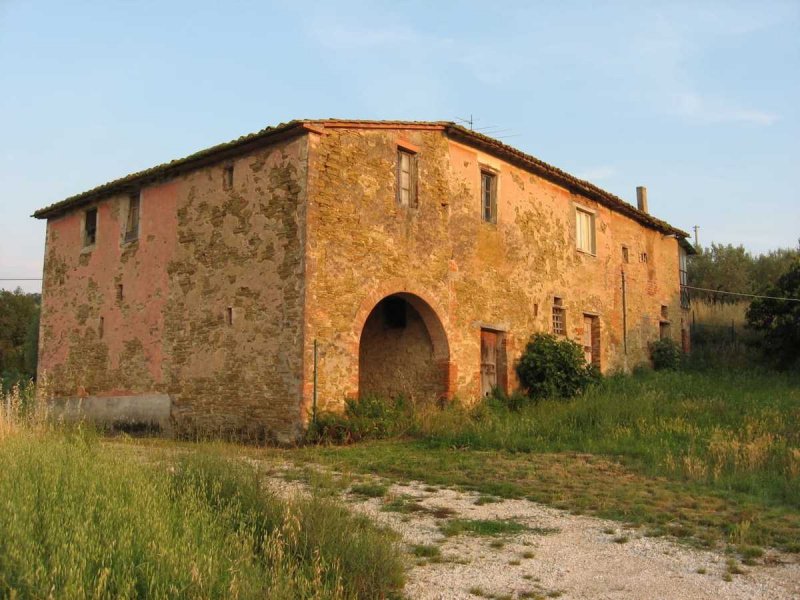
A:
666, 354
514, 401
779, 320
369, 417
553, 367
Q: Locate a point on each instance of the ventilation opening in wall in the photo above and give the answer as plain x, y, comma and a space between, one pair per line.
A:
227, 177
625, 255
101, 328
120, 293
229, 315
394, 313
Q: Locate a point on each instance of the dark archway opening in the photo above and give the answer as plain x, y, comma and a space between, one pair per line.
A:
403, 351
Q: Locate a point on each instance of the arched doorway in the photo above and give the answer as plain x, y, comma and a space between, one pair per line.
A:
403, 349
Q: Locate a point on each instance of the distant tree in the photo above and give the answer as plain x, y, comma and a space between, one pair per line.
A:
780, 319
19, 313
722, 267
731, 268
767, 268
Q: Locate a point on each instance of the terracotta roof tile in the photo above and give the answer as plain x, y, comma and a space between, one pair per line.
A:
297, 127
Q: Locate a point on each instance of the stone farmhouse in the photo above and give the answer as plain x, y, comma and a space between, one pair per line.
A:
239, 289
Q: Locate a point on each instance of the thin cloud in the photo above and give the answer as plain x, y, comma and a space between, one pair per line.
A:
598, 173
337, 36
692, 105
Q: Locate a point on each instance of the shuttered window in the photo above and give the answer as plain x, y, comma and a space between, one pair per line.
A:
406, 178
132, 225
584, 231
489, 197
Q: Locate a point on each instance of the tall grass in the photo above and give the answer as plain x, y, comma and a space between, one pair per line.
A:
731, 430
81, 520
719, 313
737, 431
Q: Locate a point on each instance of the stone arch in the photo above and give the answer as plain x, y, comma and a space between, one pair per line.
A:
402, 348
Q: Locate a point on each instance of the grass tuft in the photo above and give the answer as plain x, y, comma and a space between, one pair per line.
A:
488, 527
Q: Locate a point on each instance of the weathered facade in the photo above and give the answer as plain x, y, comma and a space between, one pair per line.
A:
416, 257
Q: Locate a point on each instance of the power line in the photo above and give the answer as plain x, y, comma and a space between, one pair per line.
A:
689, 287
20, 278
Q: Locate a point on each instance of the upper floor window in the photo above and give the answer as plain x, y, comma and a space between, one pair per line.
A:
132, 223
90, 227
584, 231
227, 177
489, 197
625, 255
406, 178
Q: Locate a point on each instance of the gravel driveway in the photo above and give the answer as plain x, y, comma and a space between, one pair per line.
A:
562, 555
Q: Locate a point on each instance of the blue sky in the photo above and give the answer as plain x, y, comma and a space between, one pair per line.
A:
698, 101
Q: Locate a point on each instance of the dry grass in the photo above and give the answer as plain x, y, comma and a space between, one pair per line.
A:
705, 312
25, 408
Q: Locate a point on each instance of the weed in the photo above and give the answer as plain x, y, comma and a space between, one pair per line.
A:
426, 551
733, 567
527, 554
369, 490
621, 539
484, 499
514, 562
489, 527
701, 570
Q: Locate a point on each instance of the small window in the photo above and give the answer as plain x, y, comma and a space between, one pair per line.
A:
665, 312
664, 330
584, 231
90, 227
559, 317
406, 178
120, 293
489, 197
229, 315
227, 178
625, 255
643, 257
132, 225
101, 327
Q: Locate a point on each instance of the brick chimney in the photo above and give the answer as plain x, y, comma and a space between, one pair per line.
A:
641, 198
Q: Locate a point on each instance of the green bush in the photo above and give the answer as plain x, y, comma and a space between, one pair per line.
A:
666, 354
369, 417
552, 367
779, 320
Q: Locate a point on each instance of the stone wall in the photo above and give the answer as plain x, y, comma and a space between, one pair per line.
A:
212, 308
363, 246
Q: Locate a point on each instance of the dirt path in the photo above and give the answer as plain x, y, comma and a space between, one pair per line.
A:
558, 556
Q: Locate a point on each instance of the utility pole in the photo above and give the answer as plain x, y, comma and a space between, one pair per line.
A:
696, 238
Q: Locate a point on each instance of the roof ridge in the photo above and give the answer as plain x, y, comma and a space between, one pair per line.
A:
298, 126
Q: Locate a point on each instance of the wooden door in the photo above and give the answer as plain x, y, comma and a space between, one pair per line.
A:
588, 331
488, 361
